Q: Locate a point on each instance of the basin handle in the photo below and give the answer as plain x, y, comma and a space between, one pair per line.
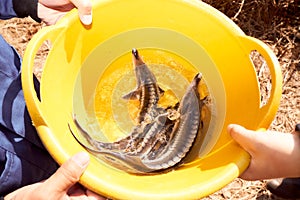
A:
34, 105
270, 108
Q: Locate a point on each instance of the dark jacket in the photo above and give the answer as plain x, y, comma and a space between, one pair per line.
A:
23, 158
18, 8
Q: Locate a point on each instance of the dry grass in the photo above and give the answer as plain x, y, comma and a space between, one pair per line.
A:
273, 21
18, 32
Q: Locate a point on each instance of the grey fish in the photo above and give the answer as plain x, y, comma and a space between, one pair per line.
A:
159, 143
120, 154
130, 144
156, 154
183, 133
147, 92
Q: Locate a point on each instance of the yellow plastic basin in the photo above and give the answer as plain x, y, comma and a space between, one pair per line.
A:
186, 37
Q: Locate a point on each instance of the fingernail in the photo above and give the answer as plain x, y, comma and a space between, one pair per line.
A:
229, 127
86, 19
82, 159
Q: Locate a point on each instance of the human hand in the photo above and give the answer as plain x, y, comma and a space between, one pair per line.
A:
61, 185
50, 11
273, 154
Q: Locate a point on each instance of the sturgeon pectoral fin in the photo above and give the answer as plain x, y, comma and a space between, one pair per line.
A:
134, 95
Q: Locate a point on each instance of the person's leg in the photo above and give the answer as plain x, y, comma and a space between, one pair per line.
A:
23, 158
288, 188
285, 187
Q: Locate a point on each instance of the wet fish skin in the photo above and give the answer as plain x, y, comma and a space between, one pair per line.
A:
160, 153
136, 136
131, 164
157, 127
158, 143
184, 132
147, 92
116, 154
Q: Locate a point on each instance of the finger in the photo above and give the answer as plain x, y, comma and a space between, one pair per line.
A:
76, 190
94, 196
250, 174
49, 16
246, 138
69, 173
84, 10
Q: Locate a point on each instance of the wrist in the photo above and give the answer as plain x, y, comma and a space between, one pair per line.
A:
296, 153
290, 160
25, 8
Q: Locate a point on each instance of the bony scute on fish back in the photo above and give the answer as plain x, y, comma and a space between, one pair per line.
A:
162, 136
147, 91
184, 131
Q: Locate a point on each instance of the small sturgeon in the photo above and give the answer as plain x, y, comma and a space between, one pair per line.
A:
163, 143
134, 143
147, 92
159, 143
122, 155
184, 132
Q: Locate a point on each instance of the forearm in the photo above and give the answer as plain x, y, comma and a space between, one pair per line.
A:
19, 8
290, 167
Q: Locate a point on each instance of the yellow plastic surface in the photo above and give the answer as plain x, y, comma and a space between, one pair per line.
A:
195, 34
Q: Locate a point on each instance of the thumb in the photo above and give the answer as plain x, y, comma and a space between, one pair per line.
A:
84, 10
246, 138
69, 173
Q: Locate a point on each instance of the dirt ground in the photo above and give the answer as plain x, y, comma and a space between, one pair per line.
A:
275, 22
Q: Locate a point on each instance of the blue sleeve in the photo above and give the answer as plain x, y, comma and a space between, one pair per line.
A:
6, 9
23, 158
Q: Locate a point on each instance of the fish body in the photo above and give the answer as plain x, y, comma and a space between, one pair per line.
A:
125, 154
147, 92
162, 137
184, 131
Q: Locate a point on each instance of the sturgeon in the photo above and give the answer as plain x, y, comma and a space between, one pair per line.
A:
159, 143
147, 92
184, 132
126, 153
